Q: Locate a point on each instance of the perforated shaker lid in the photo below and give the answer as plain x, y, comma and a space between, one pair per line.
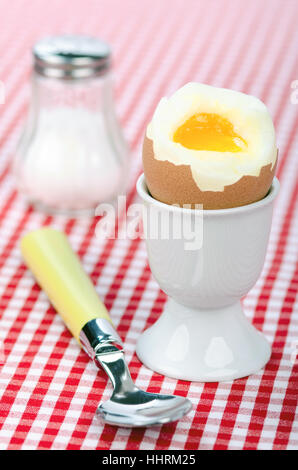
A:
71, 56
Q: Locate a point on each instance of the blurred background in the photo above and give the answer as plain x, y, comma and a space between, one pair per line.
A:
157, 47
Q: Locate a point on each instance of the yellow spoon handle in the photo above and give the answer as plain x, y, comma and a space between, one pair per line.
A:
58, 271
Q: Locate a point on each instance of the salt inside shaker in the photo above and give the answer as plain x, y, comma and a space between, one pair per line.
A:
72, 155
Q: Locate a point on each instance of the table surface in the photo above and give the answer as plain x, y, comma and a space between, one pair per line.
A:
49, 390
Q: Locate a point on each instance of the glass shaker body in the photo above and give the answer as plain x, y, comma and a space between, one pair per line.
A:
72, 155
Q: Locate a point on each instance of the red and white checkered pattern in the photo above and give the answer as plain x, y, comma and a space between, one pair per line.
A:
49, 390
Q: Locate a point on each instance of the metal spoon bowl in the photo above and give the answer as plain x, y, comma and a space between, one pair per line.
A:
131, 407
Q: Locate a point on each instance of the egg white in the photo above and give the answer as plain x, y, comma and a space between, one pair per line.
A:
211, 170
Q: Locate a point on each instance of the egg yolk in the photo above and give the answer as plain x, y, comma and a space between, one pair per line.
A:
209, 131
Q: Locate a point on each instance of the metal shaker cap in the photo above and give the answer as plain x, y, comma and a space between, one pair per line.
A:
71, 56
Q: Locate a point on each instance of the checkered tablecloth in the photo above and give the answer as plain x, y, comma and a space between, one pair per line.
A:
49, 390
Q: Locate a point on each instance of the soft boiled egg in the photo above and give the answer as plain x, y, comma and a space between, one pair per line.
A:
209, 146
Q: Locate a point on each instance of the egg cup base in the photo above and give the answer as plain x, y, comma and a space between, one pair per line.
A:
203, 345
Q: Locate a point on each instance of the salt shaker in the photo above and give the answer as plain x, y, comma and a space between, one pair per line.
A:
72, 155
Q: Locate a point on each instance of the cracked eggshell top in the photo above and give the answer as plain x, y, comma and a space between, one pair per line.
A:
176, 174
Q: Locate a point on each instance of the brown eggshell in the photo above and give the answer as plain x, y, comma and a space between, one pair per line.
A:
174, 184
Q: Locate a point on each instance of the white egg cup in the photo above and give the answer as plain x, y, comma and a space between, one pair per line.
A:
203, 334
